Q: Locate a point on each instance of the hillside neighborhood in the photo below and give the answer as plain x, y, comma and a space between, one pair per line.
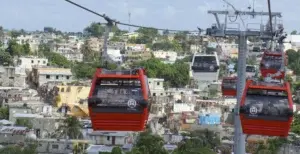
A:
45, 79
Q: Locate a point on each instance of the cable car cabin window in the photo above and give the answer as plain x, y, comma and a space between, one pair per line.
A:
266, 104
229, 84
205, 64
271, 62
250, 69
118, 95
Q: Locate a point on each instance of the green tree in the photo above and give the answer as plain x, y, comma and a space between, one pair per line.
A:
15, 33
4, 113
116, 39
88, 53
149, 144
295, 128
11, 149
14, 49
167, 46
55, 59
120, 32
71, 127
14, 149
95, 29
1, 36
84, 70
26, 48
294, 61
149, 32
23, 122
5, 58
294, 32
30, 148
176, 75
116, 150
199, 142
147, 35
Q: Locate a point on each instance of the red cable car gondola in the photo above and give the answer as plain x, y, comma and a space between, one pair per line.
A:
229, 86
118, 100
266, 108
271, 64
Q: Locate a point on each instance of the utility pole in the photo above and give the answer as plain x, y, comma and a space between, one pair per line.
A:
221, 30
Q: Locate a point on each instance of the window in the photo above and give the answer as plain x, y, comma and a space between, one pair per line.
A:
47, 76
158, 83
68, 77
57, 76
108, 138
44, 62
32, 61
54, 146
38, 61
62, 89
69, 89
154, 94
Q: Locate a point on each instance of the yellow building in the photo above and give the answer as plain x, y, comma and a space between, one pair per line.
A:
131, 35
75, 97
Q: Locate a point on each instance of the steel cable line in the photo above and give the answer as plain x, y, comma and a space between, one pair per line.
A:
109, 20
235, 11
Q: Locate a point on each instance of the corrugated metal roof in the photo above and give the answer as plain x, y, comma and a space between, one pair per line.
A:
99, 148
26, 115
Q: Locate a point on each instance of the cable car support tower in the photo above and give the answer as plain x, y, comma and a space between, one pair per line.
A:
221, 30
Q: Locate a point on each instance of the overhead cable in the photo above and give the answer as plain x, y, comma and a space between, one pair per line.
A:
109, 20
236, 11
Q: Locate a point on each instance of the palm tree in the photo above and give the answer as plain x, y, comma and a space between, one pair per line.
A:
70, 127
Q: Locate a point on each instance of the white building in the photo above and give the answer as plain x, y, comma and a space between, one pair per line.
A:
108, 138
156, 86
293, 42
166, 56
70, 51
31, 40
29, 62
114, 55
183, 107
12, 77
136, 47
41, 75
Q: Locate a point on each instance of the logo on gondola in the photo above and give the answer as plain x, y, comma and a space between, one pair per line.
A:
131, 103
253, 110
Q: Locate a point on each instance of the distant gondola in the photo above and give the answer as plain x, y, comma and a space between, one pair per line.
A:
271, 63
205, 63
229, 86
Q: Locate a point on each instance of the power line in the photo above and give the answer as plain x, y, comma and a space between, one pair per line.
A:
109, 20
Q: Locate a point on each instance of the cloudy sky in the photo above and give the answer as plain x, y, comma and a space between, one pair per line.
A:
171, 14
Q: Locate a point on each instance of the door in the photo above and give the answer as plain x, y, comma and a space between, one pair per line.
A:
113, 142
